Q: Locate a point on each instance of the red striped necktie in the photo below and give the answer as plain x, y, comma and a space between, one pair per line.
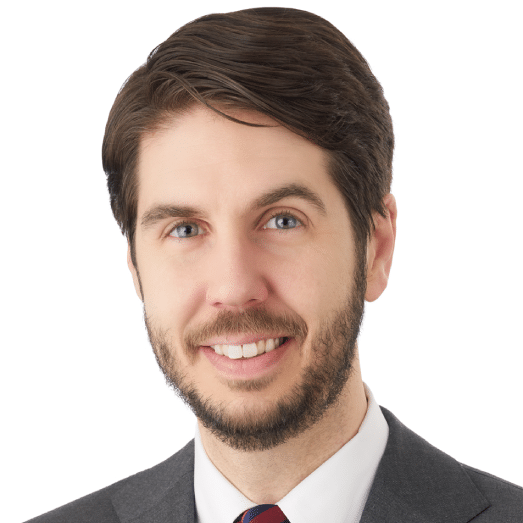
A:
262, 514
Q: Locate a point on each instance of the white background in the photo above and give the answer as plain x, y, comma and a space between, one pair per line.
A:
83, 402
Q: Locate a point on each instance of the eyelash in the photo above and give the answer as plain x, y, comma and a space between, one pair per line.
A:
285, 213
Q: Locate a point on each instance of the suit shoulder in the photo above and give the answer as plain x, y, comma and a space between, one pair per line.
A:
506, 498
414, 473
98, 507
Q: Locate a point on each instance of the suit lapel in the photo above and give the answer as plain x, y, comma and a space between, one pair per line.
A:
417, 483
162, 494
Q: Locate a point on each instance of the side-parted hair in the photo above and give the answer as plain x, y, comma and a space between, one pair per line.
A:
289, 64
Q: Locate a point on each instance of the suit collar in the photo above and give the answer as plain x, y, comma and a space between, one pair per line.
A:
163, 494
414, 483
417, 483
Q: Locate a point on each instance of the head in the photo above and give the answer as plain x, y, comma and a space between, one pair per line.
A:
248, 90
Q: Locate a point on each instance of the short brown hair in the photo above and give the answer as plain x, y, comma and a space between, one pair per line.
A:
289, 64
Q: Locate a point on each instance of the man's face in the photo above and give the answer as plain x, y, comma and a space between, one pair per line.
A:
244, 268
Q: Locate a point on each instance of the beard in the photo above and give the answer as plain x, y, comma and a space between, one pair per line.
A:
322, 381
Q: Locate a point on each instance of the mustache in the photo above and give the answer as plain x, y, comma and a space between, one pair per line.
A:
252, 321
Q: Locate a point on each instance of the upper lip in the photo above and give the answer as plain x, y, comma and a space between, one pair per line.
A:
240, 340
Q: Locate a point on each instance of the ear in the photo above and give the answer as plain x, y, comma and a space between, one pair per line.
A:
134, 273
380, 249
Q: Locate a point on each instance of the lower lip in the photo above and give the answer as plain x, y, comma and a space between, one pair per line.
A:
247, 367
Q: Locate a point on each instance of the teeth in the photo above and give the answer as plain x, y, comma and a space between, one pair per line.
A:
249, 350
235, 352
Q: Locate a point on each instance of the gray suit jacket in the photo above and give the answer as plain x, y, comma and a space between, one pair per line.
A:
415, 483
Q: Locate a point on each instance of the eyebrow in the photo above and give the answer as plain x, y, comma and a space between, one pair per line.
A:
294, 190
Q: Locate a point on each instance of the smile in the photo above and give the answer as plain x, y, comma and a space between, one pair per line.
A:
248, 350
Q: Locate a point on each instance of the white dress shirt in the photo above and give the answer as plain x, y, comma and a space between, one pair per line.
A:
335, 492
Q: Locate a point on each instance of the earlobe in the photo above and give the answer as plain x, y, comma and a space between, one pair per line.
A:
134, 273
380, 250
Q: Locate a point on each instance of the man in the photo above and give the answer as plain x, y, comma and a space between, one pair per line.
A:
249, 164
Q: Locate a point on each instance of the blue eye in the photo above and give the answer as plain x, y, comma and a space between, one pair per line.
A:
283, 221
184, 230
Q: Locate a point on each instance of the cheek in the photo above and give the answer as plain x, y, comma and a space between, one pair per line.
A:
306, 284
329, 281
166, 287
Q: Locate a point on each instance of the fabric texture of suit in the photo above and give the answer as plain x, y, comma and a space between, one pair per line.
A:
414, 483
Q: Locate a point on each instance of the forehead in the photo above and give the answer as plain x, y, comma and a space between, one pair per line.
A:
202, 157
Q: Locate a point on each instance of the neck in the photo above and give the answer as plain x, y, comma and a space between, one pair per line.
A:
260, 476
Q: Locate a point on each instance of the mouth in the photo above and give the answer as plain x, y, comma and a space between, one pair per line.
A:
249, 350
234, 365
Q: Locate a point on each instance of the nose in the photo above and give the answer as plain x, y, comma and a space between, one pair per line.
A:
237, 278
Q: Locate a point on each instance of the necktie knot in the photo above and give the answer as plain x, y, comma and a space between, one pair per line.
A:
262, 514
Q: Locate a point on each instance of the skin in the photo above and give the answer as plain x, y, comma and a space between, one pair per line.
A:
240, 268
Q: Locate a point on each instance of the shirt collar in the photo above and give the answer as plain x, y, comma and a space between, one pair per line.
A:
344, 480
